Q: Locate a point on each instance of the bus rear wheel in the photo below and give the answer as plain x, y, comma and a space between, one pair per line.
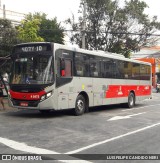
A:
80, 105
131, 100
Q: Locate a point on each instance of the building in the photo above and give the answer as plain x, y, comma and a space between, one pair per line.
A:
149, 54
13, 16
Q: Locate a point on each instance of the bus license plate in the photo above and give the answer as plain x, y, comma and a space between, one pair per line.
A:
24, 104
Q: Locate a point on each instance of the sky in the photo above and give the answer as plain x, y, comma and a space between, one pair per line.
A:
63, 9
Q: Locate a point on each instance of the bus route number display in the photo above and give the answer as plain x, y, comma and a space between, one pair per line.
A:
35, 48
32, 48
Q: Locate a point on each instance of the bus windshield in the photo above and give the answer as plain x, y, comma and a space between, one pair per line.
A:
32, 70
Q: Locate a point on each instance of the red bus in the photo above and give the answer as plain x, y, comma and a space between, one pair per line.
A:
49, 76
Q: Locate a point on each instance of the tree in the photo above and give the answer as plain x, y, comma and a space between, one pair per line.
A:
8, 37
36, 27
51, 31
115, 29
28, 30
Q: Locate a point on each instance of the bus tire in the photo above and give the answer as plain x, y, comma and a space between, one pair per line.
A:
80, 105
131, 100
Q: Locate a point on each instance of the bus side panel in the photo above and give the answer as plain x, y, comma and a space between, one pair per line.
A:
98, 93
146, 90
130, 85
68, 93
51, 102
118, 91
100, 86
101, 91
63, 96
82, 85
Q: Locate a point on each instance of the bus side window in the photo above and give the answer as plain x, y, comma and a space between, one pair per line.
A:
62, 67
94, 66
68, 68
81, 65
65, 67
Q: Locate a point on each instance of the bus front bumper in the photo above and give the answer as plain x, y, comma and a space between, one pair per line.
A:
32, 105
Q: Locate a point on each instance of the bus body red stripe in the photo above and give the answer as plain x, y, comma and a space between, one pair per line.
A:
115, 91
26, 96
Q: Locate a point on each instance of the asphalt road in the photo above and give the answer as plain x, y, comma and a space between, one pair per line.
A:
104, 130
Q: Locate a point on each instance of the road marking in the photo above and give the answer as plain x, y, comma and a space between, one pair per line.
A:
140, 107
29, 149
112, 139
124, 117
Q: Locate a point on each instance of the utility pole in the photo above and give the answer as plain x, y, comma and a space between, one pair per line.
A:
84, 25
4, 12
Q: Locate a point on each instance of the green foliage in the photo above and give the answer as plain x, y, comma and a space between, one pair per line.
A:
51, 31
8, 37
115, 29
28, 30
36, 27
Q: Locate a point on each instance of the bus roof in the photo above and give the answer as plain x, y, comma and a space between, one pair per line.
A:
99, 53
91, 52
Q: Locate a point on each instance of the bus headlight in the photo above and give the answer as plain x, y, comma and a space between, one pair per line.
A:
46, 96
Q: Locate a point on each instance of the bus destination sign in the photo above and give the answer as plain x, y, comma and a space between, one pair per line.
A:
32, 48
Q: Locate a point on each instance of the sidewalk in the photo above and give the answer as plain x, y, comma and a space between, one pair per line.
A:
154, 90
7, 107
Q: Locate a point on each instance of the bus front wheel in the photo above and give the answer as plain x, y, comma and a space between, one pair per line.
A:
80, 105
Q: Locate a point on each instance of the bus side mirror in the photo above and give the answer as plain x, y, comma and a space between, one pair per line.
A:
62, 67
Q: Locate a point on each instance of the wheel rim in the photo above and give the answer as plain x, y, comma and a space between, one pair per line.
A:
80, 105
131, 100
